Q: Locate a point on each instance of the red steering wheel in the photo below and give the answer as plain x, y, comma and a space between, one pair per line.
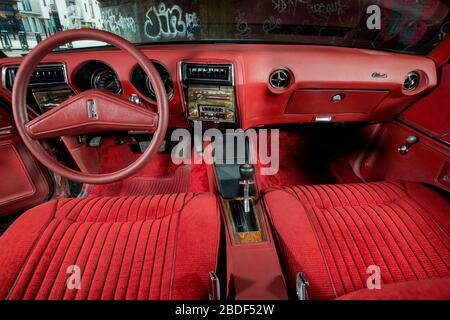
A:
90, 111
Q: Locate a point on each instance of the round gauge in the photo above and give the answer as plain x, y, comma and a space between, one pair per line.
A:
166, 79
106, 79
141, 82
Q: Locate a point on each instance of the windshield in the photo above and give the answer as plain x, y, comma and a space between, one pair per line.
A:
410, 26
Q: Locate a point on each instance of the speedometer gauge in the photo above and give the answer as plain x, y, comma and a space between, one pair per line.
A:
106, 79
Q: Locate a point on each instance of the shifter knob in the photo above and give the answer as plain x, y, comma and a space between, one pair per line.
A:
247, 171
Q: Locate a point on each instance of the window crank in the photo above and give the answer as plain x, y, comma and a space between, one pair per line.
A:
410, 140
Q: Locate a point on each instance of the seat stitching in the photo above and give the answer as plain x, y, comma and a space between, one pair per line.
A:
415, 240
61, 260
83, 203
325, 213
172, 276
350, 232
91, 245
32, 248
164, 253
383, 208
80, 247
116, 218
107, 269
425, 237
133, 200
98, 258
139, 209
395, 240
367, 232
168, 198
113, 250
157, 207
316, 235
326, 236
415, 204
131, 263
382, 235
152, 222
389, 186
153, 260
41, 261
175, 248
337, 242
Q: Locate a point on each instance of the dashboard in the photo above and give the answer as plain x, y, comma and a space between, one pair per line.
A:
240, 85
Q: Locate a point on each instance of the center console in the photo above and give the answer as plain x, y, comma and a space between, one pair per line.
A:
253, 268
209, 92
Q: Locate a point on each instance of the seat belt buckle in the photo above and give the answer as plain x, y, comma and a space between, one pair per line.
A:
214, 290
301, 286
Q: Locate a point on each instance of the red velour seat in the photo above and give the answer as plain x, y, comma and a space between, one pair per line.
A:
152, 247
333, 233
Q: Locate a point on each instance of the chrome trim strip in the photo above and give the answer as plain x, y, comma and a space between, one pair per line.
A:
6, 130
231, 76
323, 118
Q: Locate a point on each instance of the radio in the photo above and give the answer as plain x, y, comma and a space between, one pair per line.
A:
211, 103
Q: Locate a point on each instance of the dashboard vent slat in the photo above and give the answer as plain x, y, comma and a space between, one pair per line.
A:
42, 75
411, 81
279, 79
214, 73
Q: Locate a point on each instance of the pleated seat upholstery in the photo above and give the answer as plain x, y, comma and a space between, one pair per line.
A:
334, 233
143, 247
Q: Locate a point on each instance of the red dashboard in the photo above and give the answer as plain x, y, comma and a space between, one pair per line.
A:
276, 83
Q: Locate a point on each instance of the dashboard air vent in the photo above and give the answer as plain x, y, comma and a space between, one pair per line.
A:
411, 81
211, 73
42, 75
279, 79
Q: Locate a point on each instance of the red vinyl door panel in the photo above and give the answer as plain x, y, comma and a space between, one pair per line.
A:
431, 114
23, 182
427, 161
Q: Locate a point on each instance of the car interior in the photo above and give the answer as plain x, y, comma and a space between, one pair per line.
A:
88, 177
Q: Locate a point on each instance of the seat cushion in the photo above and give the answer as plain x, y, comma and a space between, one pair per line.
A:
333, 233
428, 289
152, 247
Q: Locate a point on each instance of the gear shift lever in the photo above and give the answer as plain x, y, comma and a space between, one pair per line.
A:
247, 171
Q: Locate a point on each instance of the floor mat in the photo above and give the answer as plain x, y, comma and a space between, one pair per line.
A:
311, 155
159, 176
179, 183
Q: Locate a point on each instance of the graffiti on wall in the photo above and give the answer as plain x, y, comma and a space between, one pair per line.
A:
271, 23
335, 7
409, 26
170, 22
288, 6
115, 22
243, 30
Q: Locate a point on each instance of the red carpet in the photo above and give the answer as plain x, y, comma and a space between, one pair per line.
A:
308, 156
159, 176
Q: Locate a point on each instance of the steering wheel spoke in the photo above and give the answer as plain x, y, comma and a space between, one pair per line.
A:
90, 112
